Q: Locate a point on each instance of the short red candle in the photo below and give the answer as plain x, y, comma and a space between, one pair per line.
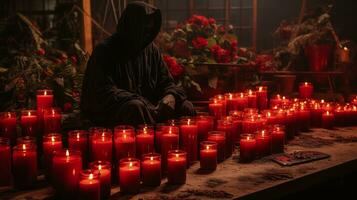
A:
219, 138
5, 162
306, 89
52, 120
208, 155
262, 97
66, 169
327, 120
44, 99
29, 122
188, 129
102, 145
169, 141
8, 126
270, 117
247, 147
124, 139
252, 99
51, 142
104, 170
227, 126
176, 167
24, 165
144, 142
204, 125
129, 176
263, 140
251, 124
151, 169
278, 139
78, 140
216, 108
89, 185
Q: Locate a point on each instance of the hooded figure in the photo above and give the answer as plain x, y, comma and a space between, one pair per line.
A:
126, 80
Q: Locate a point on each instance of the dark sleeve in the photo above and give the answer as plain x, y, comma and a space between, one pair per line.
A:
166, 84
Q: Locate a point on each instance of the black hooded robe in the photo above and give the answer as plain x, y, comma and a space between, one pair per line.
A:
126, 76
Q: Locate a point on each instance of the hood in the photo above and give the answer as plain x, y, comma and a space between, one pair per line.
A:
138, 26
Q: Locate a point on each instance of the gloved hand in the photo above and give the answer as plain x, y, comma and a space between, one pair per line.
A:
169, 100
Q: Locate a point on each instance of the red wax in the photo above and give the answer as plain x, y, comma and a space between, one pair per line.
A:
263, 140
242, 101
51, 142
252, 99
208, 155
304, 116
8, 126
89, 185
188, 130
91, 133
290, 128
262, 97
44, 99
232, 102
5, 162
306, 90
52, 120
24, 165
144, 142
222, 100
66, 169
270, 117
129, 175
176, 167
29, 123
227, 127
327, 120
251, 124
237, 128
219, 138
151, 169
102, 145
204, 125
169, 141
278, 139
124, 144
78, 140
104, 170
216, 109
247, 148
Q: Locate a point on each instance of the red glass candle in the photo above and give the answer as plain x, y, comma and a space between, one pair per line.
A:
242, 101
221, 99
169, 141
263, 142
51, 142
305, 119
270, 117
227, 126
262, 97
105, 174
232, 102
66, 169
205, 124
251, 124
278, 139
129, 176
29, 123
44, 99
305, 90
78, 140
176, 167
124, 139
91, 133
52, 120
252, 99
8, 126
208, 155
290, 125
219, 138
102, 145
158, 132
327, 120
316, 114
247, 148
5, 162
237, 129
188, 130
24, 165
26, 140
151, 169
89, 185
216, 108
144, 142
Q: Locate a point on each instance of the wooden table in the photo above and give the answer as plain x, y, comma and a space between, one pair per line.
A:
260, 179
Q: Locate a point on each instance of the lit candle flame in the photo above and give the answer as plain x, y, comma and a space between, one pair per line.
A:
28, 113
207, 147
188, 121
99, 167
327, 113
260, 89
67, 153
77, 135
151, 158
23, 146
230, 95
45, 92
90, 176
130, 164
306, 83
250, 92
345, 48
177, 155
53, 139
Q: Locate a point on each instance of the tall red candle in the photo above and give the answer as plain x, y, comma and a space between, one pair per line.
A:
129, 176
262, 97
176, 167
5, 162
242, 101
263, 142
290, 126
91, 133
204, 125
278, 139
8, 126
305, 119
316, 114
104, 170
78, 140
44, 99
208, 155
252, 99
237, 129
29, 122
227, 126
306, 89
52, 120
219, 138
216, 108
144, 142
66, 169
151, 169
102, 145
169, 141
251, 124
124, 140
51, 142
327, 120
24, 165
222, 100
89, 185
232, 102
247, 148
188, 129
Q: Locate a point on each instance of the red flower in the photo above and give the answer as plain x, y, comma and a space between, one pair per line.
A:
211, 21
175, 68
199, 42
199, 20
220, 55
67, 107
74, 60
41, 52
180, 49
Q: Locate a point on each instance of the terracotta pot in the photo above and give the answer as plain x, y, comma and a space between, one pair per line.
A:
285, 84
319, 56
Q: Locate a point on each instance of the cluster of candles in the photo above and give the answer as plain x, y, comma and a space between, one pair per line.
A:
94, 159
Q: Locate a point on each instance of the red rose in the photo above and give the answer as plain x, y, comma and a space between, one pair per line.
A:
67, 107
211, 21
74, 60
199, 20
41, 52
199, 43
180, 49
63, 57
220, 55
174, 68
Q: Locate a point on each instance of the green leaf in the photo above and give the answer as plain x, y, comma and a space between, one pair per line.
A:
211, 42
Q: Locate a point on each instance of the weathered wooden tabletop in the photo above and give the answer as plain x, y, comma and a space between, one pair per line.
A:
261, 178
